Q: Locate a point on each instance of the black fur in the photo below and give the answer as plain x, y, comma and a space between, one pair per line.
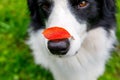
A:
98, 13
37, 15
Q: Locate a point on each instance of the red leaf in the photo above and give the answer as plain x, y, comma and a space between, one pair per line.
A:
54, 33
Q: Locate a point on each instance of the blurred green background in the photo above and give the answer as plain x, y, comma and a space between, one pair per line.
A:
16, 61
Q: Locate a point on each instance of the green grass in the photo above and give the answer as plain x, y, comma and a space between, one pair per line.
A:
16, 61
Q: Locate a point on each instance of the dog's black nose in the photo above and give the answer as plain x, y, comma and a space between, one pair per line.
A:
59, 47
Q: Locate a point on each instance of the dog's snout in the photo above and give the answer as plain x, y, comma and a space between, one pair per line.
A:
59, 47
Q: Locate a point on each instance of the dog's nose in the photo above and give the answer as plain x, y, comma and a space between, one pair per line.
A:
59, 47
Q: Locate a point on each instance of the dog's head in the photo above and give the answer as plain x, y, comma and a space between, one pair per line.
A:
78, 17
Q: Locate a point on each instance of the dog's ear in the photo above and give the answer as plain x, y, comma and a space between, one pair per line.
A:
37, 20
109, 7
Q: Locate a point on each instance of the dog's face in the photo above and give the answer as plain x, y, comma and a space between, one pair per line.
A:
78, 17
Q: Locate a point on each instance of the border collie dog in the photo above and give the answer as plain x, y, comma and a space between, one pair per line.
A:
91, 23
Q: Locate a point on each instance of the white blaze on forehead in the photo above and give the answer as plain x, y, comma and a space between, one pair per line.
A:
60, 13
62, 16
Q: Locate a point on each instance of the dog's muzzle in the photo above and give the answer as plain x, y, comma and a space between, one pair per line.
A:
59, 47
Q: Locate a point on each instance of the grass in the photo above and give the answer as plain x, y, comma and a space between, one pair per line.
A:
16, 62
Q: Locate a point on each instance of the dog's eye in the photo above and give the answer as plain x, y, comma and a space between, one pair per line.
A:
83, 4
45, 6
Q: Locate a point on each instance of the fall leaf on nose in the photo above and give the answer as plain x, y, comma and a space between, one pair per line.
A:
54, 33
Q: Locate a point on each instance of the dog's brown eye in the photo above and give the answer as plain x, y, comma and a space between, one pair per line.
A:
44, 6
83, 4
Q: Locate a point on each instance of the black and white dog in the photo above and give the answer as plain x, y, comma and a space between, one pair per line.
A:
92, 25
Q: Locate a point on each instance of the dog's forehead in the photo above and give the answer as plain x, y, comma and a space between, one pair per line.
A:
45, 0
55, 0
59, 1
72, 1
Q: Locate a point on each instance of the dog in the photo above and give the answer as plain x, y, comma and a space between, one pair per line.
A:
92, 25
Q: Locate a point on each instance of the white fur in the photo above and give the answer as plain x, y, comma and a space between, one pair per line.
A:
92, 47
87, 64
